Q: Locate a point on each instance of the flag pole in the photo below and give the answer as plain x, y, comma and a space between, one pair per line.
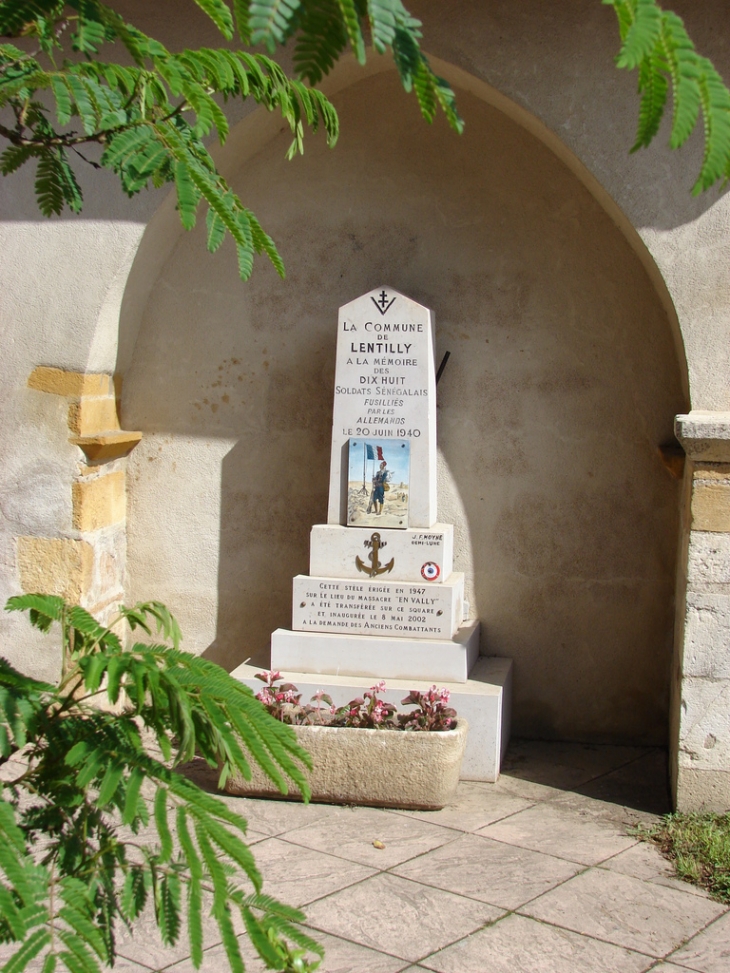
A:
364, 460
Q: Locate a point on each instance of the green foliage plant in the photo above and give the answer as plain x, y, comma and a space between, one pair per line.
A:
85, 76
95, 823
655, 42
699, 846
77, 75
284, 702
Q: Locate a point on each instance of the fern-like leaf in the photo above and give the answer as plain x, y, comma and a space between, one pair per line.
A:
220, 14
15, 156
642, 36
321, 39
90, 31
715, 102
42, 609
216, 230
685, 73
270, 21
192, 859
351, 19
656, 42
654, 88
17, 15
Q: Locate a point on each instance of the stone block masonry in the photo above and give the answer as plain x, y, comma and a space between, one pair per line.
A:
711, 497
56, 565
701, 685
86, 566
99, 502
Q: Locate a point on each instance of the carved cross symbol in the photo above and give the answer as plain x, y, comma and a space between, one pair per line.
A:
382, 304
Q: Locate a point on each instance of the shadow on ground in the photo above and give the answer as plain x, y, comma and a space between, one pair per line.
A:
635, 779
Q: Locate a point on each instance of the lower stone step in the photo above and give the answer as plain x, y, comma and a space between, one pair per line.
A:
484, 700
377, 656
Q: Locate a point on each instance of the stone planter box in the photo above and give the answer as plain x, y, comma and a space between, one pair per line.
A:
380, 768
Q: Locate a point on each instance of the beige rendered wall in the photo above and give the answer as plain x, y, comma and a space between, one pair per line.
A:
562, 384
581, 375
62, 283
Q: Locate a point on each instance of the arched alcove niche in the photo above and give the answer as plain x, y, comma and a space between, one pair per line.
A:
564, 378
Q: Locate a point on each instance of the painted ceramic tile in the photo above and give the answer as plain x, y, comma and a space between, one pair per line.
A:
378, 482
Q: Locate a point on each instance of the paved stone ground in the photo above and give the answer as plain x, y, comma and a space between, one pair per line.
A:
534, 874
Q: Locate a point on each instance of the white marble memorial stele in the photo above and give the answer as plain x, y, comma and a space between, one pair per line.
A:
385, 390
382, 601
377, 596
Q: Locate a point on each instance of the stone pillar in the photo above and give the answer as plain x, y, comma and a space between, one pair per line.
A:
86, 566
701, 671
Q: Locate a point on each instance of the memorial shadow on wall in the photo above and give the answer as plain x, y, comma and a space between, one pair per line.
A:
270, 498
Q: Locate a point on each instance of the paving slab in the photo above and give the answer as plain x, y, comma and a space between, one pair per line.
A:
144, 946
475, 805
549, 840
398, 917
564, 766
603, 809
341, 956
490, 871
297, 875
640, 785
517, 944
668, 968
350, 832
557, 832
275, 817
709, 952
644, 860
626, 911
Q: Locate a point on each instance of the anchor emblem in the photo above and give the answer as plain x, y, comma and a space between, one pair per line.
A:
374, 568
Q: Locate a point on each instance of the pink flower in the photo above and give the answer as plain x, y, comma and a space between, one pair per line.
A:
269, 676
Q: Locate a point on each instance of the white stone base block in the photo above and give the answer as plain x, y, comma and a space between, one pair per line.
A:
334, 549
485, 701
377, 657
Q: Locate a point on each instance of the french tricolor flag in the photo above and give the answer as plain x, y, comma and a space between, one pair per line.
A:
371, 452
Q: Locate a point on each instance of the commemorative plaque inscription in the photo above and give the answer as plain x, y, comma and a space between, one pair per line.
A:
385, 392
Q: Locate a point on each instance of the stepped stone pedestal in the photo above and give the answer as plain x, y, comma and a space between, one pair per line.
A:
382, 600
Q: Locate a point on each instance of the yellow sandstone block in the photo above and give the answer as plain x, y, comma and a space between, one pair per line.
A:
711, 506
100, 502
711, 471
55, 566
74, 384
91, 416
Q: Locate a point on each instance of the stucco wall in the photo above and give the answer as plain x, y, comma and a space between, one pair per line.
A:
581, 374
562, 383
